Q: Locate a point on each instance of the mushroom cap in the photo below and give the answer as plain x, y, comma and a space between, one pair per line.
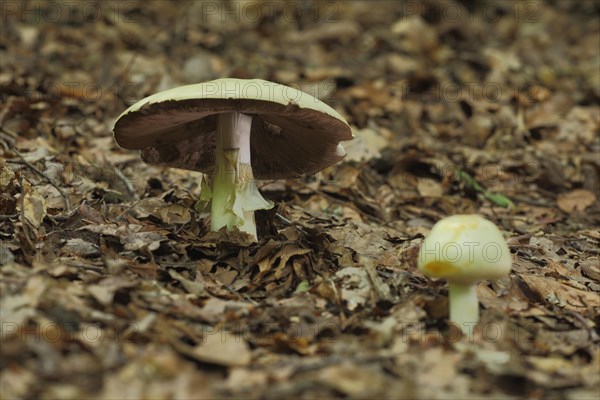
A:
465, 249
292, 132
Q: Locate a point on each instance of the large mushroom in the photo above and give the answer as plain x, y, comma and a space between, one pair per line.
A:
235, 131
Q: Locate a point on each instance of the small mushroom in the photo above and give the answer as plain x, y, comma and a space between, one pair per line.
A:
235, 131
464, 249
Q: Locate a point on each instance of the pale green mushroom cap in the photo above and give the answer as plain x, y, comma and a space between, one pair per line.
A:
465, 249
238, 89
293, 133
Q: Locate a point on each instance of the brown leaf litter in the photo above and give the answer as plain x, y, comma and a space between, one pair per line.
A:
113, 286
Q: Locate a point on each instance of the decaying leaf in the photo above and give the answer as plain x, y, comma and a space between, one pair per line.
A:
458, 107
135, 240
6, 176
356, 287
80, 247
556, 293
430, 188
104, 291
34, 206
366, 145
352, 380
591, 268
223, 348
576, 200
16, 309
174, 214
194, 287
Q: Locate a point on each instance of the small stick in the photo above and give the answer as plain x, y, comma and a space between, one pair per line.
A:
8, 137
127, 183
290, 223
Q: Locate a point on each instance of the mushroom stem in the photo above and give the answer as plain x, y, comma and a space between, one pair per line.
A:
235, 196
464, 305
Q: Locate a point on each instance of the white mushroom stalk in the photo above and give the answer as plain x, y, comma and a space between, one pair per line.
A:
464, 304
235, 196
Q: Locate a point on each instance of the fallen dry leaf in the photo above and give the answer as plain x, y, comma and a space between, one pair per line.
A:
6, 176
352, 380
34, 205
356, 287
223, 348
366, 145
16, 309
130, 295
174, 214
430, 188
591, 268
104, 291
243, 379
576, 200
550, 291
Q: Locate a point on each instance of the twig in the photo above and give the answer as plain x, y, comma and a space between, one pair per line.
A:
135, 203
4, 217
127, 183
41, 174
8, 138
5, 111
290, 223
8, 132
533, 202
25, 229
583, 322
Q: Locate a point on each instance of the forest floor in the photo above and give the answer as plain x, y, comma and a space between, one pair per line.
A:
112, 286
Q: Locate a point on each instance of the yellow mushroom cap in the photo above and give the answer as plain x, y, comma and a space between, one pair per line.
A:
465, 249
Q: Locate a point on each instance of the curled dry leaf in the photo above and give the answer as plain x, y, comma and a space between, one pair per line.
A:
591, 269
6, 176
174, 214
34, 205
197, 288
